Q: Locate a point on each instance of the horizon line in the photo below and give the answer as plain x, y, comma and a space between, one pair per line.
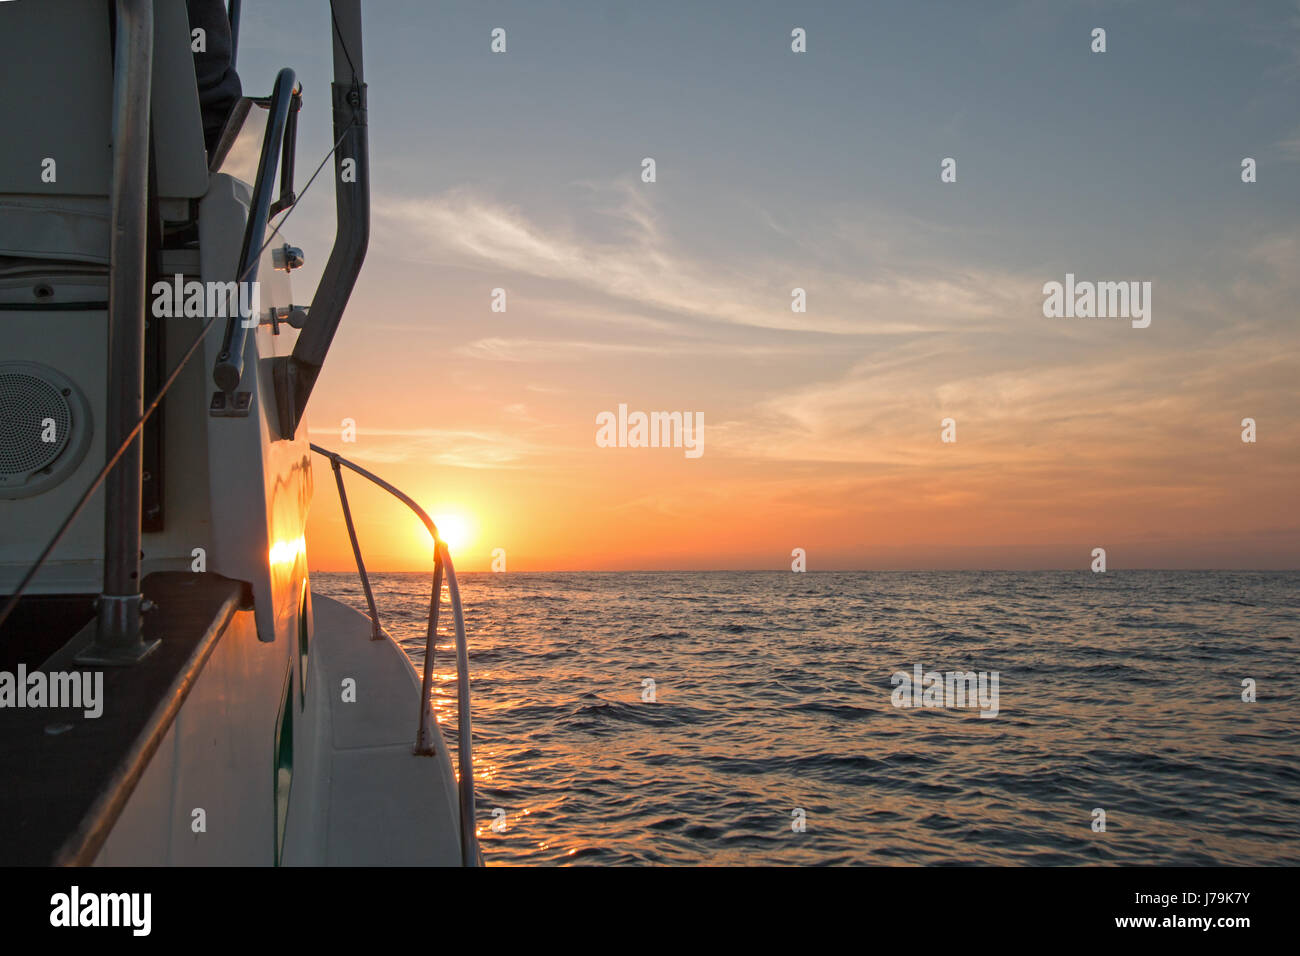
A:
428, 571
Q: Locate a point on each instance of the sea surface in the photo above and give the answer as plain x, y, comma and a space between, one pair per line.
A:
1119, 692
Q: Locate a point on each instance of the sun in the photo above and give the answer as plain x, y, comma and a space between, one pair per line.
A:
455, 529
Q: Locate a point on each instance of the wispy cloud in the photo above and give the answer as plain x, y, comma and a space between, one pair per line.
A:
644, 268
1289, 148
538, 350
548, 350
450, 447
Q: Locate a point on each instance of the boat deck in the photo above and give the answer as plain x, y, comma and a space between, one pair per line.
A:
67, 776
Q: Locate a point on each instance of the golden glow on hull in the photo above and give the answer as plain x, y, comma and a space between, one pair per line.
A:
285, 553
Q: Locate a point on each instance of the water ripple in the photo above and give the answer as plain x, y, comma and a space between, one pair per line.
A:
772, 695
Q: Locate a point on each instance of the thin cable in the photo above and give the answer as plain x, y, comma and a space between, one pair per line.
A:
171, 379
343, 43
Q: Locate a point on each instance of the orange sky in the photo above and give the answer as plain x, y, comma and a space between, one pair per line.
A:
818, 171
1159, 480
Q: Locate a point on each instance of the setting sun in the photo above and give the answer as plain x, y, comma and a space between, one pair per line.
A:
455, 529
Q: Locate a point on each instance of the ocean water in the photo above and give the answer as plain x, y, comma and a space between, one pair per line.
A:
1119, 691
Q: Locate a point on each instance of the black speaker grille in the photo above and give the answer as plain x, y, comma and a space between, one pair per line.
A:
26, 402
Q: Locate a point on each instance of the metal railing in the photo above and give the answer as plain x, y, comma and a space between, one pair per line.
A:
285, 97
442, 564
118, 638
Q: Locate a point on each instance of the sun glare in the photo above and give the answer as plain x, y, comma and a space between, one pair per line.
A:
455, 529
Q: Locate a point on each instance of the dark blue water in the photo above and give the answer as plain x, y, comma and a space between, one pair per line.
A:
1119, 691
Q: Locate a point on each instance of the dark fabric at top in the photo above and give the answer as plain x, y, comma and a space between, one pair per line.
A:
219, 86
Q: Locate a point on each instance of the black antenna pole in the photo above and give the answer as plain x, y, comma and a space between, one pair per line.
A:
295, 375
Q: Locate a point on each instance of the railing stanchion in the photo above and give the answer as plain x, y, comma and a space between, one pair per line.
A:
465, 739
423, 745
375, 633
442, 566
118, 638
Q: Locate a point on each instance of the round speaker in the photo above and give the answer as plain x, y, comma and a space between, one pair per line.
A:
44, 428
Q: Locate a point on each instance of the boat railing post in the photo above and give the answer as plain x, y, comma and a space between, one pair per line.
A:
423, 743
464, 731
442, 569
375, 633
118, 638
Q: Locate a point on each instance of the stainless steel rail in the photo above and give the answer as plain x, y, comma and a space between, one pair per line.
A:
117, 638
229, 367
442, 564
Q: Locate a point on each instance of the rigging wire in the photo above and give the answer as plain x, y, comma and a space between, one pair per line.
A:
343, 43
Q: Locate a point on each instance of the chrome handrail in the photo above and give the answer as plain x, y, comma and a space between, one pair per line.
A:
228, 370
118, 638
441, 564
